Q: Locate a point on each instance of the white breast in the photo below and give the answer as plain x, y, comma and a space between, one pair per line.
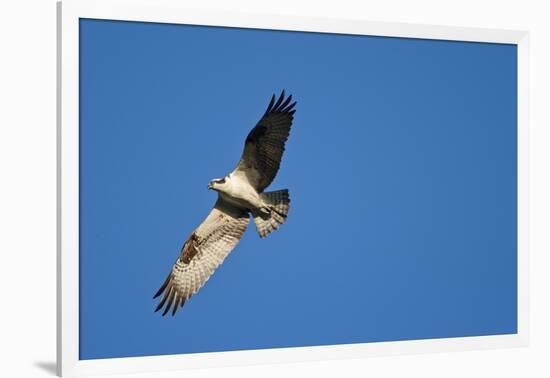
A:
242, 192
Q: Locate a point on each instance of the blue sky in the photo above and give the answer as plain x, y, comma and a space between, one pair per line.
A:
401, 166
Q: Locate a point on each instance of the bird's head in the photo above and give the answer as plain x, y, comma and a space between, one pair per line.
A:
218, 184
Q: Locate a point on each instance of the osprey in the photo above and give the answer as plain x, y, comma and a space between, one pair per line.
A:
240, 195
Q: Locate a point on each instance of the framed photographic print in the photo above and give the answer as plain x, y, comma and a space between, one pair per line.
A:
251, 188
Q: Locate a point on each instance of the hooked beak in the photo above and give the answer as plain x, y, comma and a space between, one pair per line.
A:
210, 186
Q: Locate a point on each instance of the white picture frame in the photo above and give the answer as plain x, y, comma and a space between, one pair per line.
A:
171, 11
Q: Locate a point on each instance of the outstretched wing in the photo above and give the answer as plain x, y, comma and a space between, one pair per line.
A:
265, 144
202, 253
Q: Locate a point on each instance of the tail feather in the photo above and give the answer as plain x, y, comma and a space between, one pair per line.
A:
277, 206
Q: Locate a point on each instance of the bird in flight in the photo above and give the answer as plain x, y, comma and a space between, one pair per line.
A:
241, 194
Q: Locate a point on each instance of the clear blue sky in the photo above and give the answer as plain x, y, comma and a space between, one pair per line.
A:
401, 167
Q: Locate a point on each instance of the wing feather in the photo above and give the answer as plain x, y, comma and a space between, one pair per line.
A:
265, 144
202, 253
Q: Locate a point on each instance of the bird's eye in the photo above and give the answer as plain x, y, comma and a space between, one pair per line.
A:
221, 181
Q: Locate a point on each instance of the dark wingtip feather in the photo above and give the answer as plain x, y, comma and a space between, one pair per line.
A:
176, 305
284, 104
169, 304
159, 292
270, 104
290, 108
166, 295
159, 307
279, 101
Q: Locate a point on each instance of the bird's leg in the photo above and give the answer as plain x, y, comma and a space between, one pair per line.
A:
265, 209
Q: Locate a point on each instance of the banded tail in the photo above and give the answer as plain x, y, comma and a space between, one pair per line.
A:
275, 212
